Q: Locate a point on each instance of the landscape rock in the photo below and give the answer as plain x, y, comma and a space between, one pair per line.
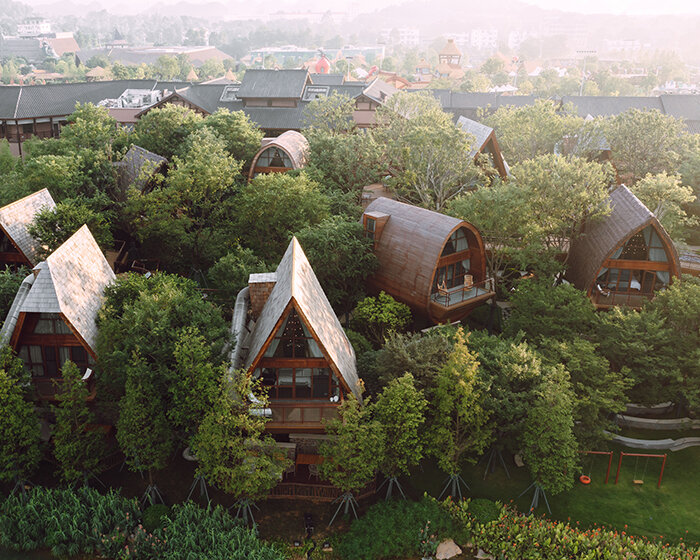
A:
447, 549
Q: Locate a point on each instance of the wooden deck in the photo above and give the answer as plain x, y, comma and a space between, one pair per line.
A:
299, 486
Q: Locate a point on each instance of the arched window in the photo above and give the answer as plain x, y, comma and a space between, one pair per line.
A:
274, 157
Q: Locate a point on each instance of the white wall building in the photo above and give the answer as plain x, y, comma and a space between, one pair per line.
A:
483, 39
33, 27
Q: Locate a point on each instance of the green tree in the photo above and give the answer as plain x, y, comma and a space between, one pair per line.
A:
272, 207
147, 316
561, 193
187, 221
194, 382
164, 130
400, 411
10, 281
211, 69
549, 447
346, 163
664, 195
644, 142
91, 127
329, 115
7, 160
62, 173
377, 317
342, 258
232, 450
230, 273
429, 156
543, 311
531, 130
679, 305
78, 448
166, 67
241, 136
143, 432
640, 344
53, 226
459, 428
19, 424
357, 448
599, 391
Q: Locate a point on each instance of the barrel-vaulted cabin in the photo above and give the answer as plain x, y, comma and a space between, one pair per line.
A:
434, 263
298, 347
276, 155
52, 318
17, 247
625, 257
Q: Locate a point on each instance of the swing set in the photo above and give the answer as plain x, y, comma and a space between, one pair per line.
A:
640, 481
586, 478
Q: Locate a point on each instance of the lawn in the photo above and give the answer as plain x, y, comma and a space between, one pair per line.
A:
672, 511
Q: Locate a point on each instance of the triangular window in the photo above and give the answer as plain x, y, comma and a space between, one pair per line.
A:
293, 340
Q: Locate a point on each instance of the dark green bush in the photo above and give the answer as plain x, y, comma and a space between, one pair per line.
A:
392, 529
483, 510
153, 517
69, 522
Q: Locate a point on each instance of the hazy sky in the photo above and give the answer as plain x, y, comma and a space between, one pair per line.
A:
621, 6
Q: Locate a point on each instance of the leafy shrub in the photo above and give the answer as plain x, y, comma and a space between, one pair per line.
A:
153, 517
516, 536
209, 534
69, 522
359, 342
392, 529
483, 510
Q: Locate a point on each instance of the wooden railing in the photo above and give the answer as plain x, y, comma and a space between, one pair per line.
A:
634, 298
448, 297
316, 492
302, 412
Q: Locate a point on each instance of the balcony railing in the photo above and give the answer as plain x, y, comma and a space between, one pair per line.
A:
634, 299
302, 413
447, 297
321, 491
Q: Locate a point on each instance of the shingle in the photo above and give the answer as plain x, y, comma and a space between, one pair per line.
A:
602, 106
281, 84
15, 219
72, 281
481, 133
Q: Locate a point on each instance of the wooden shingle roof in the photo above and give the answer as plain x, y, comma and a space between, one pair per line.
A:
137, 166
293, 143
72, 281
601, 237
15, 219
298, 286
481, 133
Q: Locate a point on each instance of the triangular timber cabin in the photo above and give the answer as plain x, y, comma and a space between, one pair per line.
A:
17, 247
625, 257
298, 347
52, 318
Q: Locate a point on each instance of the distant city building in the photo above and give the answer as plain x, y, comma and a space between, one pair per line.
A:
483, 39
623, 45
34, 27
404, 36
516, 38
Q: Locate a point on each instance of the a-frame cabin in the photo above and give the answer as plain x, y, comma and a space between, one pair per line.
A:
17, 247
52, 318
298, 347
625, 257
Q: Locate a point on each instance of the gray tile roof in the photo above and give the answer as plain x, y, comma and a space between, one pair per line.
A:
137, 166
15, 219
288, 84
277, 118
327, 79
379, 91
72, 281
602, 106
481, 133
601, 237
297, 285
28, 49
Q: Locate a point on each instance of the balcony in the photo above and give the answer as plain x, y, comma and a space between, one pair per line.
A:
634, 299
464, 293
305, 415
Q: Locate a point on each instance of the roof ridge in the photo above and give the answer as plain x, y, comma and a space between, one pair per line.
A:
25, 197
19, 96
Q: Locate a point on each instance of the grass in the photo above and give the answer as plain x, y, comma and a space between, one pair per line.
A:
671, 512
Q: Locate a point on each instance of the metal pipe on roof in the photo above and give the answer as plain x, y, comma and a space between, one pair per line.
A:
13, 315
240, 312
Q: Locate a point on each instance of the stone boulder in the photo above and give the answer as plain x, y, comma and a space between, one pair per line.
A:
447, 549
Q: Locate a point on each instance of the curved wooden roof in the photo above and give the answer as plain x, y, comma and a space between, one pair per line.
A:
293, 143
409, 248
601, 238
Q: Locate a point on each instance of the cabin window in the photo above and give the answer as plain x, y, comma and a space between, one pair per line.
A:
642, 282
451, 275
370, 227
293, 340
27, 128
274, 157
456, 243
51, 323
6, 245
300, 383
48, 359
644, 245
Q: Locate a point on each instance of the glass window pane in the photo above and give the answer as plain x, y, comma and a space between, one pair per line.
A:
321, 383
35, 354
62, 328
63, 355
44, 326
286, 383
302, 381
78, 355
